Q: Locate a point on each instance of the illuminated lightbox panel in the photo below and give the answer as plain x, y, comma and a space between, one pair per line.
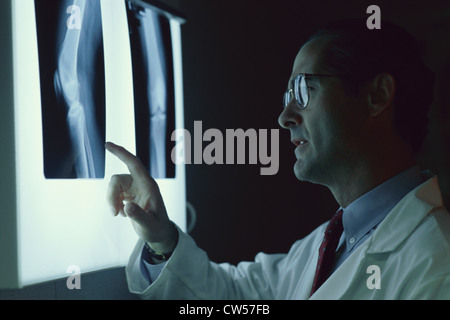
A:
75, 74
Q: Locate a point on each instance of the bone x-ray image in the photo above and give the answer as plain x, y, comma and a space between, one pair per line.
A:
72, 76
153, 83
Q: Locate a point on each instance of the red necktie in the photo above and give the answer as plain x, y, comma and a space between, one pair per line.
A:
327, 250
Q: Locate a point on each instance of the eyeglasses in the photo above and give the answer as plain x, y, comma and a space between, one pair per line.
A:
300, 89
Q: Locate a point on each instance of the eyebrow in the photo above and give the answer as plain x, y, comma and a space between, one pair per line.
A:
308, 77
313, 79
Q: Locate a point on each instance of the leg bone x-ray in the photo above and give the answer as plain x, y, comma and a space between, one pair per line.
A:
73, 84
152, 83
153, 63
76, 48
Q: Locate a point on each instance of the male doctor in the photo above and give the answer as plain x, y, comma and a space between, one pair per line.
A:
355, 106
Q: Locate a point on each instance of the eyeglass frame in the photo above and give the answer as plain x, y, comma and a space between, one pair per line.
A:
294, 93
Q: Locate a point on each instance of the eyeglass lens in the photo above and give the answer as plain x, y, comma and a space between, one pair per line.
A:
300, 90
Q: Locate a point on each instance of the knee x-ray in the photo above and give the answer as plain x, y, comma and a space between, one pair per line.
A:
153, 84
72, 74
72, 78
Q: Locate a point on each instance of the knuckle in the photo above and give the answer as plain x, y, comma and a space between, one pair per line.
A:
114, 179
117, 178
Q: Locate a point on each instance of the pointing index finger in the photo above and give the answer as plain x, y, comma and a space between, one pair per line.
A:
133, 163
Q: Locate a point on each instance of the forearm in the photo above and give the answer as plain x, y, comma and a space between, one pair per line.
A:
189, 274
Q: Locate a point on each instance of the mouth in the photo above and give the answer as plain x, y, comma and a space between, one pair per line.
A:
299, 142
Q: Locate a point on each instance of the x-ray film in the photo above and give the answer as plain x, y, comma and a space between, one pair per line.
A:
72, 77
153, 85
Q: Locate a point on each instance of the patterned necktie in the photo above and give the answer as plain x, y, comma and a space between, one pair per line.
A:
327, 250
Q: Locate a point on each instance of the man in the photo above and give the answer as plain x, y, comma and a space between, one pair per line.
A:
355, 106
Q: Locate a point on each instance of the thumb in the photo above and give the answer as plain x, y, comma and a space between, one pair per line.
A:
143, 223
134, 211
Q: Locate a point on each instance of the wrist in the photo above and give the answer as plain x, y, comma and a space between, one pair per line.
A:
155, 257
162, 251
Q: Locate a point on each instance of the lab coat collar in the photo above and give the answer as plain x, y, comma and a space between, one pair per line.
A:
406, 216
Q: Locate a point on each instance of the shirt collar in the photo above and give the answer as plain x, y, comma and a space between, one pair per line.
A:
365, 213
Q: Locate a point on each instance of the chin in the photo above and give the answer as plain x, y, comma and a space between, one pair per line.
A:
308, 172
300, 171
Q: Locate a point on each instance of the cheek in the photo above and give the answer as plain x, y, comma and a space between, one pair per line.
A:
330, 126
325, 136
320, 131
335, 122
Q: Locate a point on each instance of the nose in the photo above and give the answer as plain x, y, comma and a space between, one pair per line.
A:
290, 116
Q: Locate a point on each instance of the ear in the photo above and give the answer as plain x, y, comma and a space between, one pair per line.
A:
381, 93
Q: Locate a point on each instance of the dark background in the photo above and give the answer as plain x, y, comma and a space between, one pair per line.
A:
237, 58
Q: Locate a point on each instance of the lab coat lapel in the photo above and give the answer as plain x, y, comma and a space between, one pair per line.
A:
339, 282
396, 227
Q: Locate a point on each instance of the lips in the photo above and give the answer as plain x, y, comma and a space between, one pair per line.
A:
299, 145
299, 142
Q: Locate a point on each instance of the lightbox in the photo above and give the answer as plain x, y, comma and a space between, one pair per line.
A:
75, 74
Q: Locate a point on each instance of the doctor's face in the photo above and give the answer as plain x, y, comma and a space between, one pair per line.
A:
327, 134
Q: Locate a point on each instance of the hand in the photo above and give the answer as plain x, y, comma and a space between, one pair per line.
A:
144, 203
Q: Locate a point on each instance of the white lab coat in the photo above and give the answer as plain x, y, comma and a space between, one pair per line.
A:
406, 257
